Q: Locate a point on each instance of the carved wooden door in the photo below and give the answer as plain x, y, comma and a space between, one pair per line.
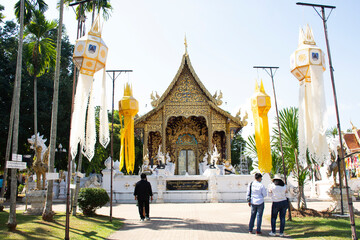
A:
186, 162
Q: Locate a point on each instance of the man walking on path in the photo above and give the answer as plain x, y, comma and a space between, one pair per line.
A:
255, 196
142, 194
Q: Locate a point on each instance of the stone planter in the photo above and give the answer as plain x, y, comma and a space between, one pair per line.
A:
37, 200
334, 193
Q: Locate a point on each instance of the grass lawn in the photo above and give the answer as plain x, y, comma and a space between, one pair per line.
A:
321, 228
33, 227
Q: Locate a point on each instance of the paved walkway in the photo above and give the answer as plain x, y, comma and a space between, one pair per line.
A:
223, 221
193, 221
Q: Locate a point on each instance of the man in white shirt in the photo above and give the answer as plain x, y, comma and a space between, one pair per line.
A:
255, 197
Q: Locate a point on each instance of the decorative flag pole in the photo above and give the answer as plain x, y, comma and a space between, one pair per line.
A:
128, 108
90, 53
78, 34
113, 78
307, 65
260, 106
324, 19
271, 74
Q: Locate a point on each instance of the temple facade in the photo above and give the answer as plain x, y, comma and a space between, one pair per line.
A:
186, 122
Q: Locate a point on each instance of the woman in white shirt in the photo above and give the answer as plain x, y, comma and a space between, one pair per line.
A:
277, 191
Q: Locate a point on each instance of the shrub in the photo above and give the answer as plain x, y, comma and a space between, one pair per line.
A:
91, 199
20, 188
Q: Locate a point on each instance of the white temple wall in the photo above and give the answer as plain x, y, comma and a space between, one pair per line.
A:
229, 188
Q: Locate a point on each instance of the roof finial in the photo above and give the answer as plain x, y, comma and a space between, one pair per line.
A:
185, 43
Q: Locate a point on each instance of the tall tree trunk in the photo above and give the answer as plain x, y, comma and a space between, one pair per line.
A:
48, 213
301, 195
35, 108
12, 215
77, 188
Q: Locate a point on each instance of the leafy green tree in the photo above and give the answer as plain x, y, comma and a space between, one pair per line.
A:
2, 16
8, 53
40, 52
238, 149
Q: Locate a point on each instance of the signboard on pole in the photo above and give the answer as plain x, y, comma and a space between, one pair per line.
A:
17, 157
52, 176
16, 164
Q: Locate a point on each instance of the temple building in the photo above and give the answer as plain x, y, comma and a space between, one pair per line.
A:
187, 122
352, 146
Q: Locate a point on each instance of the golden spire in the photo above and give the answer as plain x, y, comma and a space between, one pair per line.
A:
96, 27
256, 86
262, 87
127, 90
185, 43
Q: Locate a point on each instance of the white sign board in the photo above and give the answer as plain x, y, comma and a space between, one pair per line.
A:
52, 176
72, 186
17, 157
16, 164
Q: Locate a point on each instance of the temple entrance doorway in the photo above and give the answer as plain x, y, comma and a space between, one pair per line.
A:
186, 142
187, 162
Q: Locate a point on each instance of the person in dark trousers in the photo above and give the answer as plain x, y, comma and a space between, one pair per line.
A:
255, 197
142, 194
278, 193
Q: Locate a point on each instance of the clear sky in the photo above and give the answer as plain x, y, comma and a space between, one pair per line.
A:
225, 40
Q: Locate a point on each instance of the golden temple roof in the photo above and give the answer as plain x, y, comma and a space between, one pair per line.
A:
211, 101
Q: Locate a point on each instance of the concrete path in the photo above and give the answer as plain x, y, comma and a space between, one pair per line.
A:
202, 221
222, 221
193, 221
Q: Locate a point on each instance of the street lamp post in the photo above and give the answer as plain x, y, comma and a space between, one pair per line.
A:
60, 149
271, 74
324, 19
113, 78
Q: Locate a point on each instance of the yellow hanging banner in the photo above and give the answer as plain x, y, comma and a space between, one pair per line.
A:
128, 108
260, 106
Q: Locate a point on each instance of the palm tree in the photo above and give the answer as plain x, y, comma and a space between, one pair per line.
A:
14, 122
48, 213
89, 7
103, 5
288, 119
30, 7
251, 151
40, 52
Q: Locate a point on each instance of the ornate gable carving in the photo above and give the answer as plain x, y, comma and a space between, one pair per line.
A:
186, 90
218, 118
157, 117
